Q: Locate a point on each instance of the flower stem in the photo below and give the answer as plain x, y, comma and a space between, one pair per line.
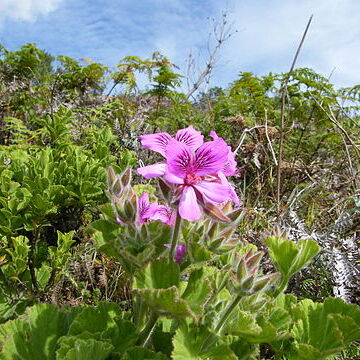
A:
145, 335
212, 338
282, 286
227, 313
175, 236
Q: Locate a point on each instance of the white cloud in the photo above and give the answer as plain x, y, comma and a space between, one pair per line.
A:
270, 34
27, 10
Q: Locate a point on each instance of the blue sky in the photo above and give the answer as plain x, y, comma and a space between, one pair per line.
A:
268, 33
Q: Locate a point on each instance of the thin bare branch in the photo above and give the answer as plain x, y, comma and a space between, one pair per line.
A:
282, 119
222, 31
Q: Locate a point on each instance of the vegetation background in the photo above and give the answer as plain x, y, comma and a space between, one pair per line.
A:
61, 127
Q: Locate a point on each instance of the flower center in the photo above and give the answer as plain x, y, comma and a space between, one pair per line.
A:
192, 179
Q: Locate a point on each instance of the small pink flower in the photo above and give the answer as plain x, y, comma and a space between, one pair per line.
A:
145, 209
180, 252
166, 215
153, 211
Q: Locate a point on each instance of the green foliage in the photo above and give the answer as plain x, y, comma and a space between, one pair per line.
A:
76, 78
289, 257
28, 63
71, 333
49, 264
339, 323
59, 133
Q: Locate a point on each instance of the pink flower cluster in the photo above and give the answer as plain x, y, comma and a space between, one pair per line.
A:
196, 169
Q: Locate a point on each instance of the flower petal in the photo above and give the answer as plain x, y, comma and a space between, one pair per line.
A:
156, 142
229, 168
214, 135
151, 211
179, 158
214, 191
146, 210
211, 157
173, 179
143, 203
165, 215
153, 170
190, 137
189, 208
233, 195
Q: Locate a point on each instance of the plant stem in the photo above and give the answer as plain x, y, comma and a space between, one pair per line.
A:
227, 313
211, 339
31, 261
145, 335
175, 236
282, 286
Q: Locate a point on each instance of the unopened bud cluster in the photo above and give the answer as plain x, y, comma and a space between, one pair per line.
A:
247, 279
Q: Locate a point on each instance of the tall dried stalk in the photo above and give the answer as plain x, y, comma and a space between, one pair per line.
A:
282, 118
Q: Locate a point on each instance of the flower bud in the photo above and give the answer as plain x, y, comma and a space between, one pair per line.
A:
126, 177
215, 212
248, 283
254, 260
265, 281
241, 272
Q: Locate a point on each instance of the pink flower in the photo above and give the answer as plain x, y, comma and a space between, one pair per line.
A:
145, 209
158, 142
180, 252
165, 214
198, 170
229, 169
153, 211
195, 175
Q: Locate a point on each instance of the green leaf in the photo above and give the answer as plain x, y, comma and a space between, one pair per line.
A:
96, 319
43, 275
199, 253
242, 323
166, 302
140, 353
221, 352
34, 335
306, 352
197, 292
162, 340
339, 323
104, 322
289, 257
160, 274
75, 348
10, 310
188, 343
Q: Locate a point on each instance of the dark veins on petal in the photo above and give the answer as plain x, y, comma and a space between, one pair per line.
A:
205, 159
186, 138
163, 139
183, 161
